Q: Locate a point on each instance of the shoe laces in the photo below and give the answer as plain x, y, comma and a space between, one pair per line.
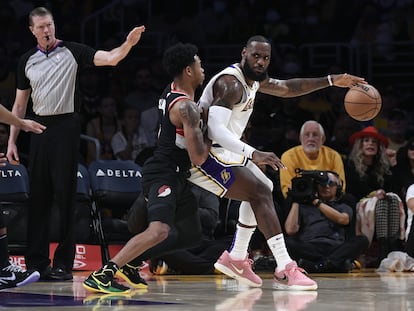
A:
13, 268
105, 272
133, 268
250, 262
298, 271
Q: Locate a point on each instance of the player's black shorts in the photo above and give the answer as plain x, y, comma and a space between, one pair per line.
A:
168, 192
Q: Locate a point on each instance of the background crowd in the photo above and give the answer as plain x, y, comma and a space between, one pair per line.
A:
119, 104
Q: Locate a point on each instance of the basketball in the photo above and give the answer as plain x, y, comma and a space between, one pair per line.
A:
363, 102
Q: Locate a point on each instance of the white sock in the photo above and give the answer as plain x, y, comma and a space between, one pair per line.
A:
241, 240
278, 247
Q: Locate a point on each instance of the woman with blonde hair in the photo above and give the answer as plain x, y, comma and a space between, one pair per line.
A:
379, 212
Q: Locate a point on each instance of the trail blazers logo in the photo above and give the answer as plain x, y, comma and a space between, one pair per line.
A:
164, 191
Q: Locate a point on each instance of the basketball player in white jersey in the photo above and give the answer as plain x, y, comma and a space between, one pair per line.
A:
230, 170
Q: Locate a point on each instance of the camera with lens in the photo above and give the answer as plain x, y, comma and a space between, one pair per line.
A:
304, 185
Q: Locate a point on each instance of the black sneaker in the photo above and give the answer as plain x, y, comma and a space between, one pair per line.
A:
102, 281
131, 275
14, 276
55, 274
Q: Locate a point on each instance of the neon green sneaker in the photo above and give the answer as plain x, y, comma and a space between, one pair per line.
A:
102, 281
130, 274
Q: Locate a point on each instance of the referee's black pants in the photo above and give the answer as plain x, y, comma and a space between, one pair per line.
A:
52, 170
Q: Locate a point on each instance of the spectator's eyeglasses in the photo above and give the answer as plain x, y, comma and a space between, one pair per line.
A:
330, 183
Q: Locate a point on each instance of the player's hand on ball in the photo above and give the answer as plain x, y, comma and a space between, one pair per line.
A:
346, 80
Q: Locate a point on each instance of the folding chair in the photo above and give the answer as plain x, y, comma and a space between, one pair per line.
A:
14, 200
115, 186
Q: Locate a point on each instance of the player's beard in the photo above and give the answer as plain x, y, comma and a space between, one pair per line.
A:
251, 75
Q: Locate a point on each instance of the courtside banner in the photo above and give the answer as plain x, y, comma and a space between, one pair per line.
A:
87, 256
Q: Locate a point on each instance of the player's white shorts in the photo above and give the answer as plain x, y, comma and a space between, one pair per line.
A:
216, 173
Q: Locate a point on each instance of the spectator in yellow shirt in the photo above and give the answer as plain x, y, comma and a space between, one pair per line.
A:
311, 154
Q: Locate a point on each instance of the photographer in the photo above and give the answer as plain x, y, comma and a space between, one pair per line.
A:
316, 224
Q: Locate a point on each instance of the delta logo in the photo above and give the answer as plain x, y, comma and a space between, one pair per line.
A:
118, 173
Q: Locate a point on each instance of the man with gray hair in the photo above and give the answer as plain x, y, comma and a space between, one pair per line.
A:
311, 154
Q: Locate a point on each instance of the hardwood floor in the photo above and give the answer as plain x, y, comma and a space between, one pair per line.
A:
366, 290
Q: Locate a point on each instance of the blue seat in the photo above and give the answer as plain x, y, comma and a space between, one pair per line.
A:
115, 186
14, 199
83, 187
14, 183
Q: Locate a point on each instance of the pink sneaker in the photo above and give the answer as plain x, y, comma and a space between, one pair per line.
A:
241, 270
293, 278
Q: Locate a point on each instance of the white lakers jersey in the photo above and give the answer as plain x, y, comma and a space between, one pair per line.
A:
241, 112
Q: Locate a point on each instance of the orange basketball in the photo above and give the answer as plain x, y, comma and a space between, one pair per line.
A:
363, 102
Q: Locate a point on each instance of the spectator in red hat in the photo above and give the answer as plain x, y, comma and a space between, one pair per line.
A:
380, 213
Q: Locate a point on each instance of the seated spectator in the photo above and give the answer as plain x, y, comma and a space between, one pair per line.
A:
380, 211
316, 228
404, 168
409, 233
103, 127
311, 154
129, 141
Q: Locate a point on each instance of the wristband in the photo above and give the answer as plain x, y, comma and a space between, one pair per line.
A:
318, 203
330, 80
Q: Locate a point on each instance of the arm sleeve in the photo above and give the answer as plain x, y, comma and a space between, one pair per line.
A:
218, 118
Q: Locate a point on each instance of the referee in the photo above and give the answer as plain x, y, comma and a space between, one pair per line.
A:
48, 74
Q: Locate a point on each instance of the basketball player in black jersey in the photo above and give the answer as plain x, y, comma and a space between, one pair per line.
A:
180, 143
